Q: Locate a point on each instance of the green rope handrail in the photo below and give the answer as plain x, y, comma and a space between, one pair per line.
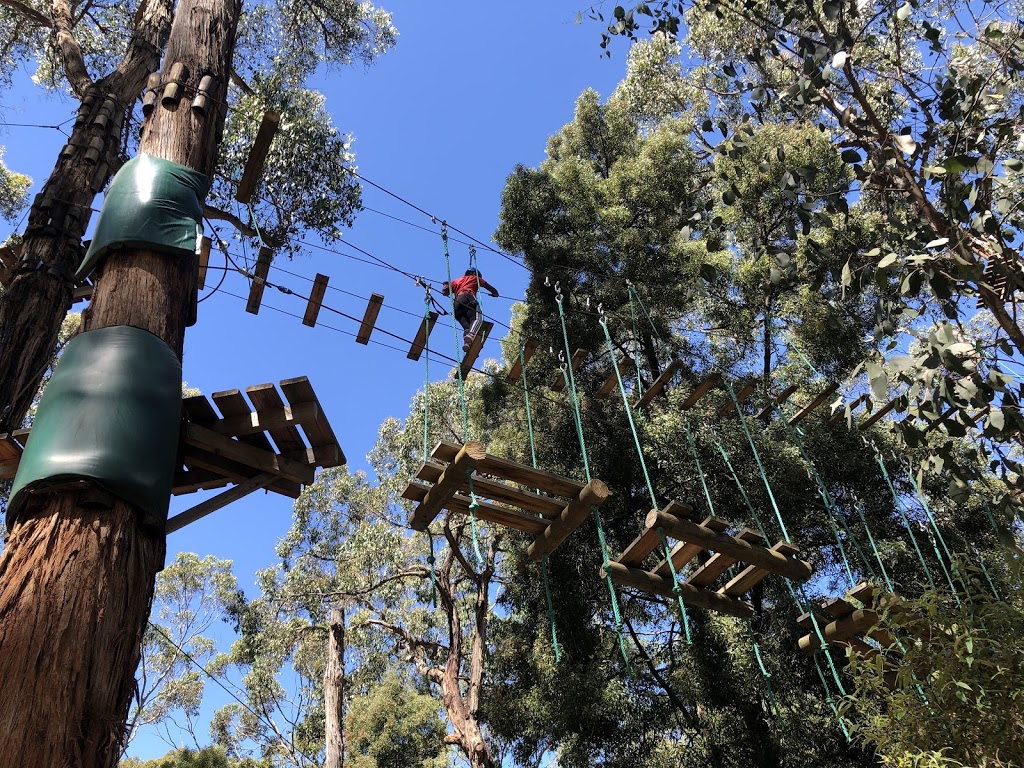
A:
700, 471
767, 678
426, 432
874, 547
941, 540
903, 516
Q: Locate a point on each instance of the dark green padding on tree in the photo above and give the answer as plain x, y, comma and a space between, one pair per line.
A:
110, 413
153, 204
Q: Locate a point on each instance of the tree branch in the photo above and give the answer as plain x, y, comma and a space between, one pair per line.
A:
70, 51
28, 12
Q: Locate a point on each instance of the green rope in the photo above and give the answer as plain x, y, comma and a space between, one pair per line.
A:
426, 434
805, 360
662, 346
941, 540
984, 570
874, 547
676, 589
551, 609
636, 352
767, 678
828, 693
570, 381
474, 504
757, 458
700, 472
739, 485
903, 515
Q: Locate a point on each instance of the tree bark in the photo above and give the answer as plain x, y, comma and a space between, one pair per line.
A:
334, 692
76, 582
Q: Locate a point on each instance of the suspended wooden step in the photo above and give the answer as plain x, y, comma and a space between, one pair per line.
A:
849, 409
474, 349
259, 281
844, 622
257, 157
778, 400
233, 446
419, 343
724, 550
701, 390
316, 300
659, 384
621, 370
369, 318
806, 411
882, 411
745, 391
529, 347
204, 261
551, 513
558, 384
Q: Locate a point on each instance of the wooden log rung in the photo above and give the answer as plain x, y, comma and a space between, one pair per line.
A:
475, 347
624, 576
743, 394
466, 459
515, 472
753, 575
594, 494
529, 347
509, 518
316, 300
419, 343
496, 490
720, 562
558, 384
874, 417
620, 369
684, 552
257, 157
778, 400
259, 281
806, 411
369, 318
659, 384
701, 390
649, 539
849, 408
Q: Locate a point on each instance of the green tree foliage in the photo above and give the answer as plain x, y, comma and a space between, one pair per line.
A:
209, 757
395, 726
14, 188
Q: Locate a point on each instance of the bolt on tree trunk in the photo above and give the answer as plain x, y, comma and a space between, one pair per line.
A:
334, 692
76, 582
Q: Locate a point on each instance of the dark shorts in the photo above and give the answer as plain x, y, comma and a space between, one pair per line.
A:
466, 309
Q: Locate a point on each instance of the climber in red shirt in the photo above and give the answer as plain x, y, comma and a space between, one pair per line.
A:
467, 308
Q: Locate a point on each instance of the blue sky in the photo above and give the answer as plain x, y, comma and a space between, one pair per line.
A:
471, 89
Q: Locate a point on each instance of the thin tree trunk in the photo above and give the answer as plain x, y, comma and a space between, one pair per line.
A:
76, 583
334, 692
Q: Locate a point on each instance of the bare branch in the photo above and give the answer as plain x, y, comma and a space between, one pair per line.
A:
28, 12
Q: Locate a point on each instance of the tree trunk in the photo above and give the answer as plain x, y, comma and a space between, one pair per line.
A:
76, 582
334, 692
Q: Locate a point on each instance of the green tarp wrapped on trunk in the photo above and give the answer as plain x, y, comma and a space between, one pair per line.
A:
111, 413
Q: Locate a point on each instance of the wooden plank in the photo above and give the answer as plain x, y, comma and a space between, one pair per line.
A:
840, 630
316, 300
509, 518
232, 404
646, 581
513, 471
318, 431
683, 552
204, 260
529, 347
475, 347
849, 409
594, 494
469, 455
870, 420
209, 506
741, 550
659, 383
862, 593
261, 460
420, 342
197, 458
753, 575
700, 391
743, 394
558, 384
778, 400
285, 436
9, 447
199, 411
369, 318
804, 412
720, 562
196, 479
497, 491
259, 281
621, 369
257, 157
649, 539
264, 419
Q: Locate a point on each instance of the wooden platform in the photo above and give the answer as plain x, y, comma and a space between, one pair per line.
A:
550, 508
721, 551
844, 622
269, 444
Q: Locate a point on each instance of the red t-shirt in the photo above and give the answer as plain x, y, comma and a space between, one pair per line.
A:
469, 283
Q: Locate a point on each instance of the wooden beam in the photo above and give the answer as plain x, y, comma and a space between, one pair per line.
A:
259, 281
529, 347
513, 471
870, 420
420, 342
594, 494
646, 581
744, 552
753, 575
558, 384
840, 630
257, 157
319, 431
258, 459
286, 437
683, 552
232, 402
804, 412
197, 458
497, 491
700, 391
649, 540
849, 409
264, 419
204, 260
369, 318
743, 394
209, 506
316, 299
621, 368
475, 347
659, 384
779, 399
196, 479
720, 562
862, 593
469, 455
